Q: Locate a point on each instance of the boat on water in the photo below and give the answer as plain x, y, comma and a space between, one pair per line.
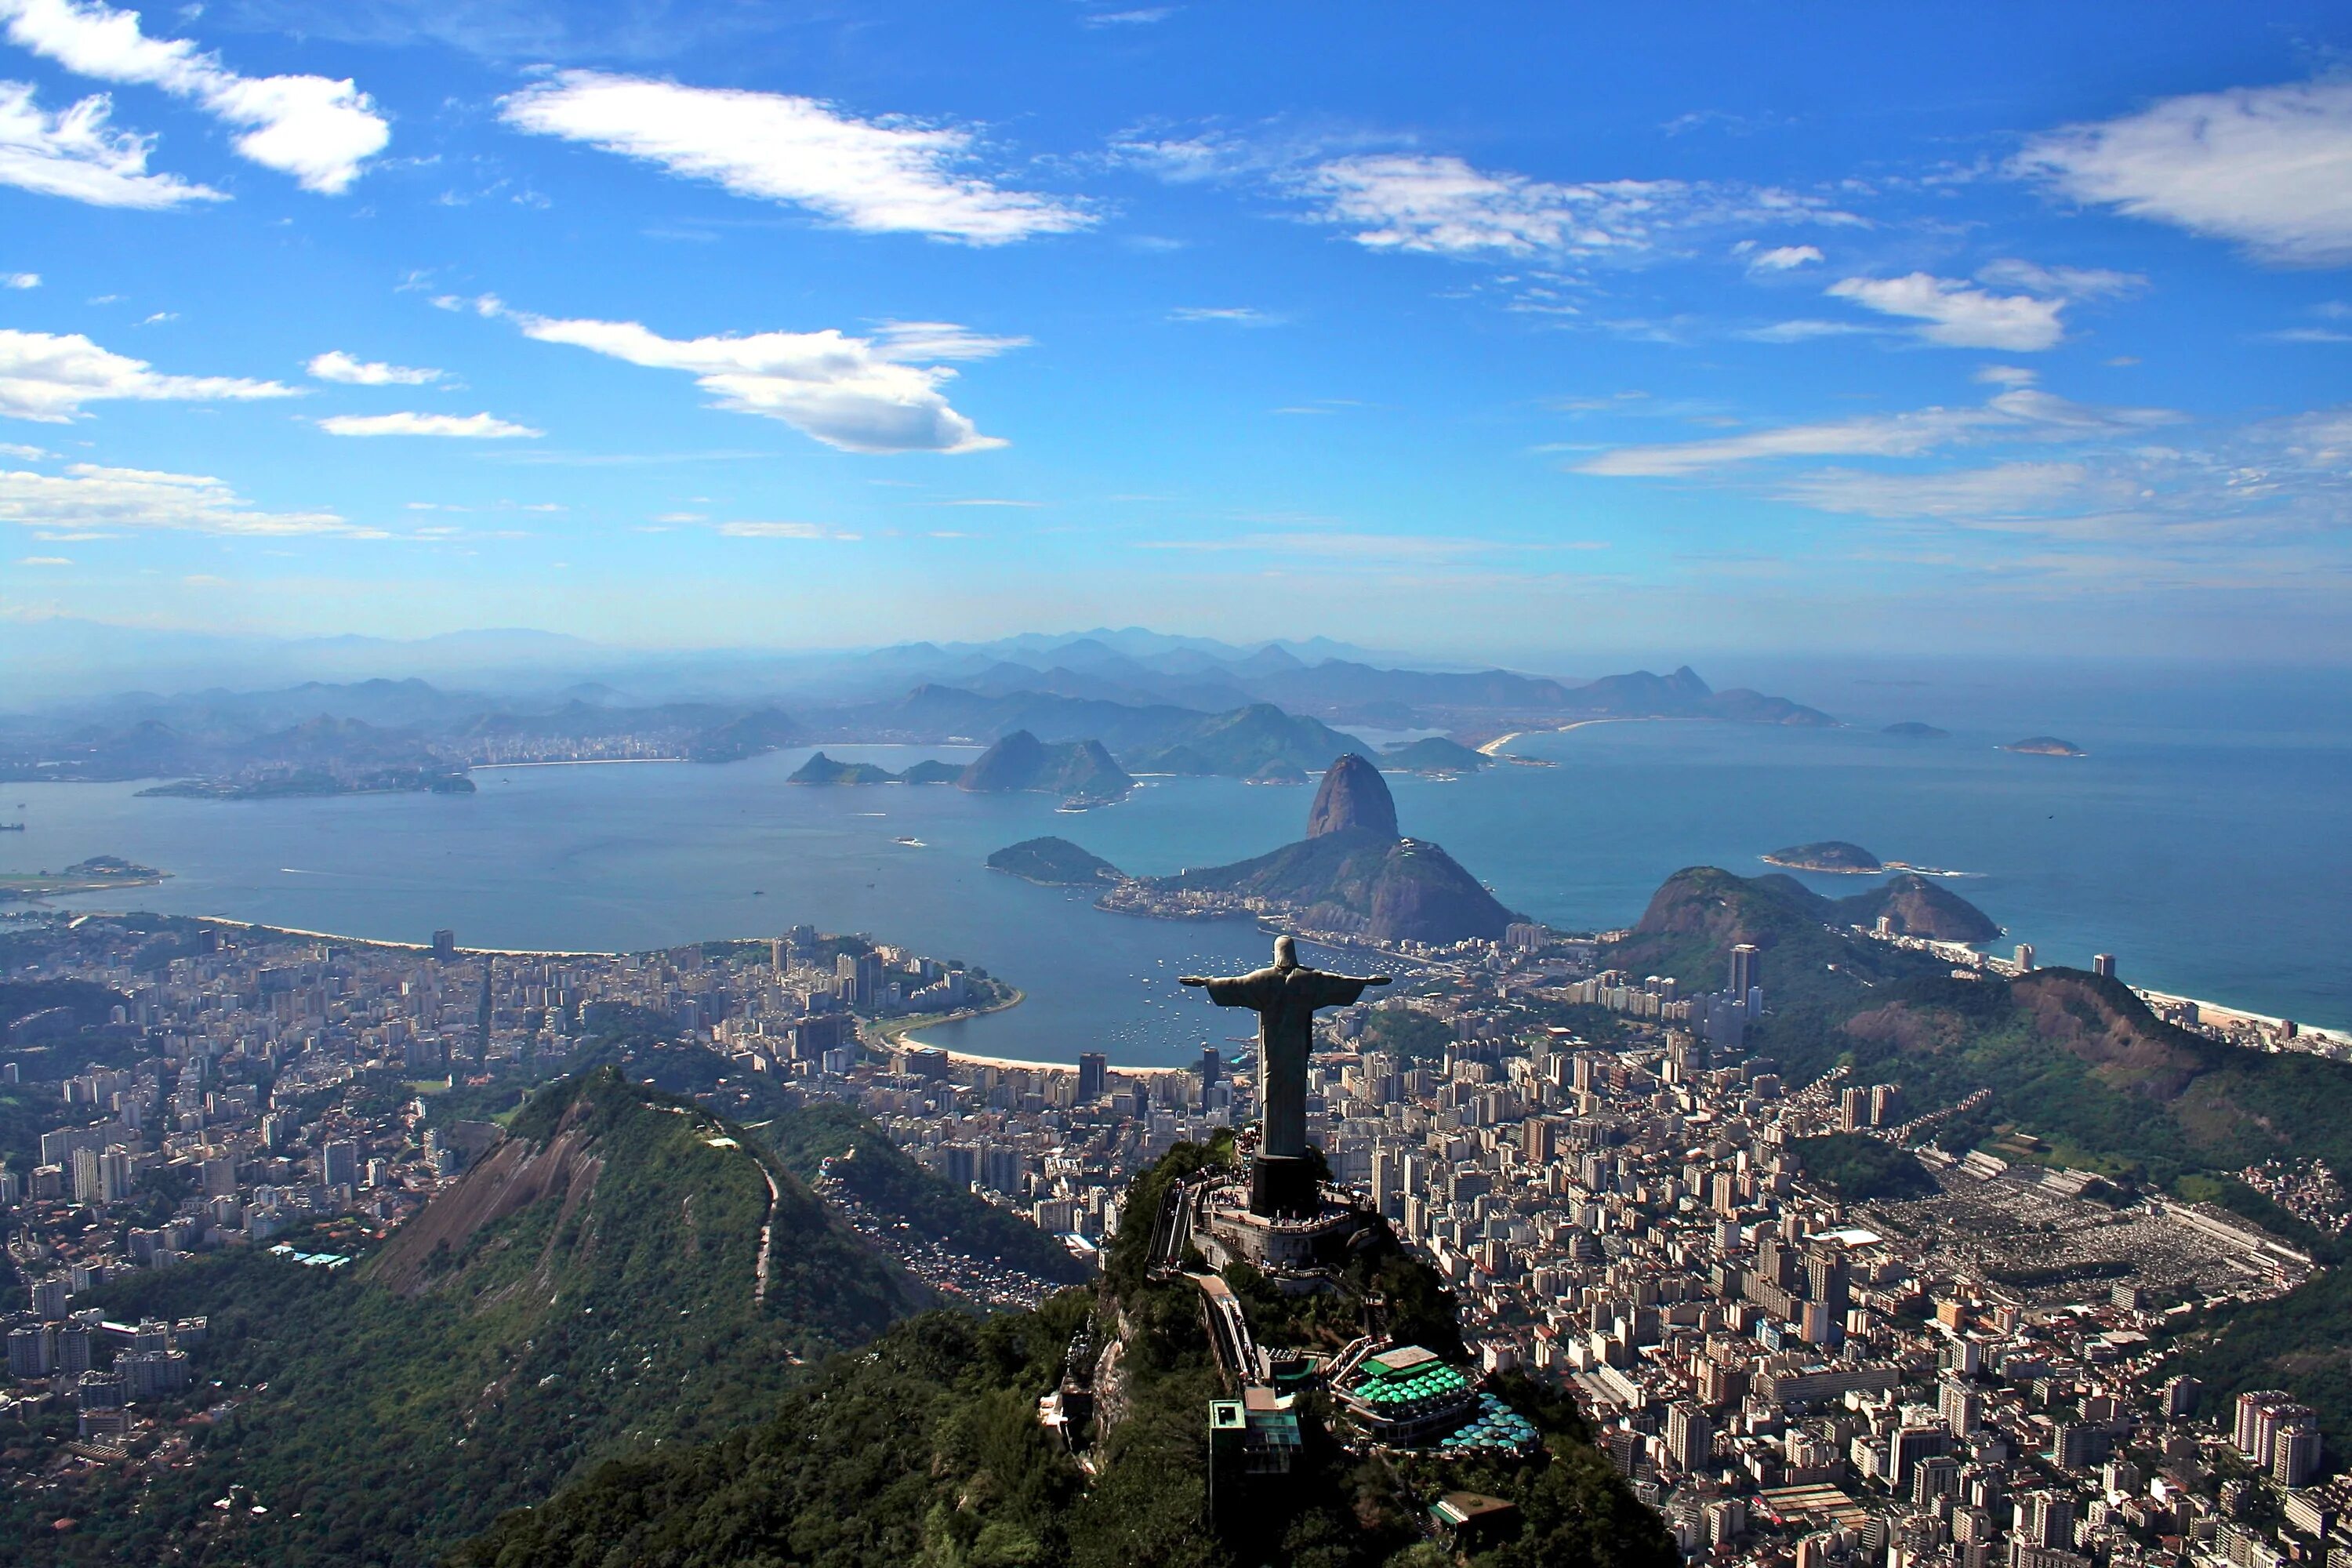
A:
911, 843
12, 828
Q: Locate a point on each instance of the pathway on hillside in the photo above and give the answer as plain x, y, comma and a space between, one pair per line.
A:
767, 1233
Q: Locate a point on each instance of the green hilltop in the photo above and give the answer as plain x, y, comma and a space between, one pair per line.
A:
1055, 863
587, 1291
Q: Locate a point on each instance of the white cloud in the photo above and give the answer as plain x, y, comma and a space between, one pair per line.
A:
465, 427
338, 366
48, 378
1783, 258
91, 497
316, 129
2006, 376
884, 176
76, 154
20, 280
30, 453
43, 561
1957, 316
2269, 167
1142, 17
843, 391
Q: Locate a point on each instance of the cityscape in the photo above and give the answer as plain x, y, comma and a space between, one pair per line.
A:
1968, 1369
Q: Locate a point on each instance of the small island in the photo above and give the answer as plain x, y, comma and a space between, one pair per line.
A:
932, 772
2045, 746
1912, 729
1834, 856
1432, 754
1055, 863
1278, 771
95, 875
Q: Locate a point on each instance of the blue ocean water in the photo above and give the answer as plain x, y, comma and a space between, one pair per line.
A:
2215, 865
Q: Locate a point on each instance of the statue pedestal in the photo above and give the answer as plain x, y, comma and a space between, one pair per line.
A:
1285, 1185
1300, 1249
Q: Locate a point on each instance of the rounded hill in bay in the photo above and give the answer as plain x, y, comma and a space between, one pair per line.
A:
1832, 855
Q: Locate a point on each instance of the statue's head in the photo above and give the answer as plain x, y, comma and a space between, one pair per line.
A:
1285, 953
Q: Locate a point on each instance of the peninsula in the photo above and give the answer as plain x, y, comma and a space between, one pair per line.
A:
1353, 876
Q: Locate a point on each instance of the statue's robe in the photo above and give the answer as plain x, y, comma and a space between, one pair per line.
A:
1285, 1000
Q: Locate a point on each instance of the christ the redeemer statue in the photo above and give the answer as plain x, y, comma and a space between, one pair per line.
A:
1284, 997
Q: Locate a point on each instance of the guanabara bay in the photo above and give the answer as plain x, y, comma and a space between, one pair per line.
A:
1146, 783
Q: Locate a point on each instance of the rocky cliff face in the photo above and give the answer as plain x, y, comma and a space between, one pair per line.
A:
1354, 798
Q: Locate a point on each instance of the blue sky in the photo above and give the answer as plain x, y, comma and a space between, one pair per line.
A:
1489, 332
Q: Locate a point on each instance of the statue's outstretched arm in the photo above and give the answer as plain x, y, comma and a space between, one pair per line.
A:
1191, 980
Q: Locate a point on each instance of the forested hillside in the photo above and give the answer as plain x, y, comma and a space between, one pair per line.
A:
590, 1288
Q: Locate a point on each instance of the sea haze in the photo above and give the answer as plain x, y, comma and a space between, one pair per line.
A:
2211, 864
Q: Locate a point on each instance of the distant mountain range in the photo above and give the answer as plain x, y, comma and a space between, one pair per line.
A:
1154, 704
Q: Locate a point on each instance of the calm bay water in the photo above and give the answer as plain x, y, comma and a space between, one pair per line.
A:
2212, 865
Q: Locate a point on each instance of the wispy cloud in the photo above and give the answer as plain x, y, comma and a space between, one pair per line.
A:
885, 175
2020, 411
338, 366
91, 497
1387, 195
905, 340
1444, 206
48, 377
1230, 315
464, 427
1803, 330
782, 530
76, 154
319, 131
2067, 282
2268, 167
1143, 16
846, 392
20, 280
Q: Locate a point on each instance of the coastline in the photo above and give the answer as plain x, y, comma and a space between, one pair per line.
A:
1494, 748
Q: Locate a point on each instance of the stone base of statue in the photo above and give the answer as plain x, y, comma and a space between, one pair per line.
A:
1303, 1246
1284, 1185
